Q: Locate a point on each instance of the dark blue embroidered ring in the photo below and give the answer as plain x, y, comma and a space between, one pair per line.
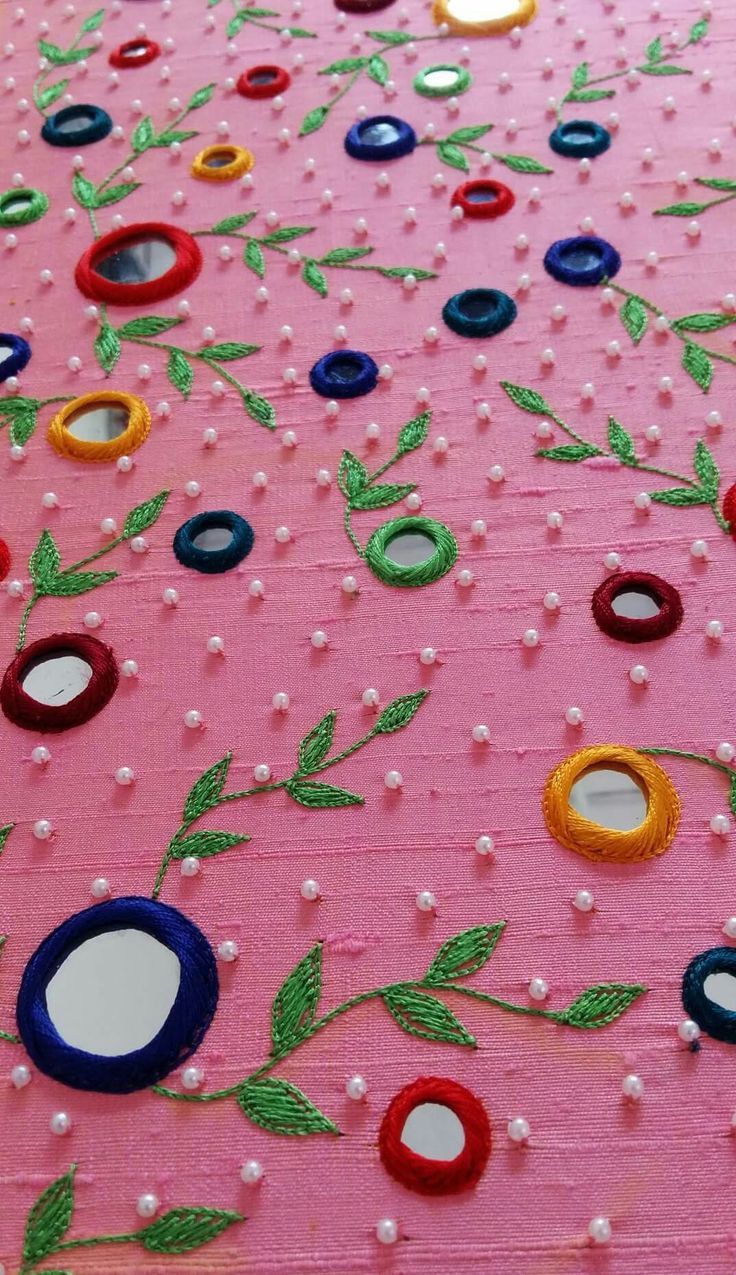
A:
479, 312
582, 261
344, 374
18, 356
380, 137
182, 1032
580, 139
715, 1019
98, 126
213, 561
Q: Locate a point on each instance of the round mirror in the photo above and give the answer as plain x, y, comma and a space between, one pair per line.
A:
100, 427
134, 53
114, 992
344, 374
14, 207
263, 81
137, 262
581, 257
56, 678
709, 992
380, 133
433, 1131
435, 1137
721, 989
380, 137
483, 17
409, 548
213, 541
611, 797
636, 606
580, 139
483, 198
479, 312
266, 75
5, 352
98, 424
411, 551
76, 125
220, 159
213, 538
582, 261
58, 682
136, 50
442, 77
15, 353
482, 195
633, 604
222, 163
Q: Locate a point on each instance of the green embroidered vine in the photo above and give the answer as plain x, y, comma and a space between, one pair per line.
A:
50, 581
704, 760
19, 414
180, 1230
312, 760
44, 95
702, 489
255, 16
728, 184
450, 150
696, 359
582, 87
312, 271
10, 1038
280, 1107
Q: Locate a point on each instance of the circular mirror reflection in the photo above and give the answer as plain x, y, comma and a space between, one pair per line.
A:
483, 17
220, 159
633, 604
138, 262
720, 988
98, 424
409, 548
611, 797
433, 1131
57, 678
213, 538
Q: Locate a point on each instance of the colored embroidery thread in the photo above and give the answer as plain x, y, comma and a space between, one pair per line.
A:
237, 159
34, 204
696, 359
132, 437
430, 1176
636, 629
689, 209
19, 415
31, 714
255, 17
521, 14
450, 150
44, 95
710, 1015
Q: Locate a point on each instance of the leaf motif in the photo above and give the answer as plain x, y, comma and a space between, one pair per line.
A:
400, 272
84, 191
580, 75
717, 183
680, 210
653, 51
44, 562
302, 33
236, 22
413, 434
620, 442
633, 315
279, 1107
698, 365
49, 1219
382, 496
698, 30
312, 275
206, 844
226, 351
528, 400
258, 408
107, 348
338, 256
174, 135
179, 372
680, 496
206, 790
469, 133
391, 37
463, 954
144, 515
590, 95
254, 259
321, 796
296, 1001
236, 222
399, 713
597, 1006
148, 325
52, 94
63, 57
317, 743
452, 155
706, 469
114, 194
77, 582
425, 1016
287, 233
94, 21
663, 68
343, 65
706, 322
352, 475
201, 97
313, 120
183, 1230
732, 795
143, 135
570, 452
378, 69
4, 834
23, 424
522, 164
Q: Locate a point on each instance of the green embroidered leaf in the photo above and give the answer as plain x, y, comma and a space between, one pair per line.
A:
717, 183
148, 325
313, 120
528, 400
174, 135
70, 586
144, 515
522, 164
183, 1230
352, 475
378, 69
382, 496
205, 792
569, 452
279, 1107
452, 155
597, 1006
343, 65
235, 23
400, 272
226, 351
391, 37
206, 844
64, 57
143, 135
84, 191
107, 348
49, 1219
254, 259
338, 256
52, 94
590, 95
653, 51
114, 194
44, 562
413, 434
201, 97
296, 1001
4, 834
698, 365
633, 315
94, 21
179, 372
312, 275
399, 713
425, 1016
680, 210
620, 442
302, 33
321, 796
258, 408
702, 322
580, 75
22, 421
463, 954
663, 68
262, 13
317, 743
470, 133
698, 31
287, 233
732, 796
236, 222
706, 469
681, 496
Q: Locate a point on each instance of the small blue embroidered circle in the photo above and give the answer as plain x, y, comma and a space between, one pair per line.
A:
344, 374
580, 139
234, 542
182, 1032
479, 312
582, 261
380, 137
715, 1019
14, 354
76, 125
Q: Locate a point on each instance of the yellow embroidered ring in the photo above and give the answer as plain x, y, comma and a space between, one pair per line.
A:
222, 163
561, 806
483, 17
100, 427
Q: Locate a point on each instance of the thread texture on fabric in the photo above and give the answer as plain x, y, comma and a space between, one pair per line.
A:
254, 84
715, 1019
502, 198
184, 271
21, 709
418, 1172
133, 436
582, 261
125, 57
240, 161
213, 561
631, 629
99, 124
517, 15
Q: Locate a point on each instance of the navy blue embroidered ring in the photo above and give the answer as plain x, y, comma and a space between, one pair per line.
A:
711, 1016
479, 312
18, 354
582, 261
183, 1029
344, 374
380, 137
76, 125
214, 553
580, 139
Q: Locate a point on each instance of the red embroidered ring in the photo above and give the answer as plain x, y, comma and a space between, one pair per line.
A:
134, 53
362, 6
120, 283
4, 559
263, 81
483, 198
20, 707
418, 1172
627, 628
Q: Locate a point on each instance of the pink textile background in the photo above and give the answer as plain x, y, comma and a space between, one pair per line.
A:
658, 1169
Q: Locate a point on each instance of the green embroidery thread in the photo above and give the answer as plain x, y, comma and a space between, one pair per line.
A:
450, 150
34, 206
425, 87
44, 95
727, 184
180, 1230
301, 786
255, 17
10, 1038
701, 490
280, 1107
705, 761
19, 414
358, 486
51, 581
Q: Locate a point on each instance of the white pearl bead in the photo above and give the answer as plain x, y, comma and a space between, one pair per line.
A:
42, 829
255, 588
385, 372
699, 549
714, 420
323, 478
40, 755
260, 480
720, 825
251, 1172
632, 1086
714, 629
538, 989
215, 645
552, 601
639, 674
332, 407
124, 464
583, 901
524, 282
729, 928
599, 1230
483, 411
209, 436
554, 520
356, 1088
393, 779
587, 391
60, 1123
652, 259
192, 488
643, 501
478, 528
309, 890
496, 474
190, 866
17, 452
530, 638
14, 588
484, 845
20, 1076
440, 446
282, 535
93, 620
280, 702
193, 719
465, 578
124, 776
319, 639
370, 697
574, 716
387, 1231
613, 349
349, 584
228, 951
653, 434
262, 773
262, 295
147, 1205
724, 752
482, 734
688, 1031
522, 243
100, 888
139, 544
612, 561
427, 655
426, 901
192, 1077
547, 358
170, 597
413, 501
518, 1129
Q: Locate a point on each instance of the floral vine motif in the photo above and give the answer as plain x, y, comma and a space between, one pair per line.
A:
312, 273
696, 359
450, 150
255, 17
280, 1107
727, 184
312, 760
181, 1230
19, 415
582, 87
50, 581
9, 1037
44, 95
705, 761
700, 490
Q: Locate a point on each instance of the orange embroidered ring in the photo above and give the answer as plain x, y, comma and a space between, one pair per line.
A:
465, 17
96, 415
222, 163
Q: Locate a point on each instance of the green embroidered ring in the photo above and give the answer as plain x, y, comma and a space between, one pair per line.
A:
443, 79
415, 535
22, 205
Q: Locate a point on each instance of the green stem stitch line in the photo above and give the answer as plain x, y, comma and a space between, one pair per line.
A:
347, 523
701, 757
9, 1037
450, 151
690, 209
253, 18
20, 414
56, 57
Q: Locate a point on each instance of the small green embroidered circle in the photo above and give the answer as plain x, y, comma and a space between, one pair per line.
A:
443, 79
409, 538
22, 205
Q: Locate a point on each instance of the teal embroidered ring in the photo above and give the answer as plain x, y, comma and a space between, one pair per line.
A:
213, 541
705, 1000
77, 125
21, 205
444, 79
479, 312
580, 139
